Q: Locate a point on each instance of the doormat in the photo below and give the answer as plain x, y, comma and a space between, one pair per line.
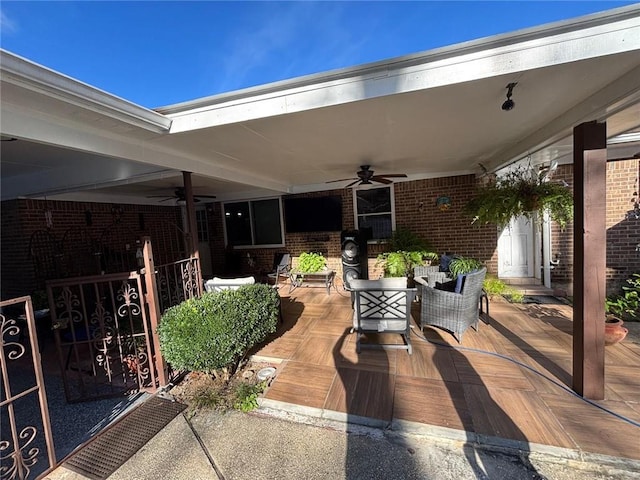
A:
110, 449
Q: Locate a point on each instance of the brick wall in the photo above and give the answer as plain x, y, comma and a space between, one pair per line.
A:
75, 238
623, 228
415, 207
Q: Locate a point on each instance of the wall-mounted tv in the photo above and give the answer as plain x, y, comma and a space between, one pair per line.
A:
313, 214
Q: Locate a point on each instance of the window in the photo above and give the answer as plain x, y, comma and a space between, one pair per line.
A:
201, 225
374, 208
254, 222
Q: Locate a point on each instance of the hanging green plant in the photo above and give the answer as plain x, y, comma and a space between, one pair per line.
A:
520, 192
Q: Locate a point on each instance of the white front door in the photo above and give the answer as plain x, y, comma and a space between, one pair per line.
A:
515, 249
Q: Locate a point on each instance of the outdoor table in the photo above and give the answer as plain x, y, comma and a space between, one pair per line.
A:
323, 278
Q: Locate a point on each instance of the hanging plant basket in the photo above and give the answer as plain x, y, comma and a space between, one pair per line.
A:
520, 192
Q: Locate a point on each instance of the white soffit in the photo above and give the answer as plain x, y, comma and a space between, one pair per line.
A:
36, 78
564, 42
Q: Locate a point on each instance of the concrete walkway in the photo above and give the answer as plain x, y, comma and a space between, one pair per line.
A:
270, 444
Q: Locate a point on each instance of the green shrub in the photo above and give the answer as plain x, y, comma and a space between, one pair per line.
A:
626, 305
218, 329
310, 262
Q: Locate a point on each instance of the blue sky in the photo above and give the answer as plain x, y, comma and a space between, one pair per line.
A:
161, 53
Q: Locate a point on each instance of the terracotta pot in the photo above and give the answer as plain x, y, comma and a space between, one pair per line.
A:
614, 331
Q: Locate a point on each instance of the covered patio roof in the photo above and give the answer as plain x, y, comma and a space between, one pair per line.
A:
431, 114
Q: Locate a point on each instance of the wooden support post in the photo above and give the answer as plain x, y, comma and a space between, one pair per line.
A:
589, 258
154, 310
191, 214
192, 227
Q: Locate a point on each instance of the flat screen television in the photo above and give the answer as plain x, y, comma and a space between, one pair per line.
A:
313, 214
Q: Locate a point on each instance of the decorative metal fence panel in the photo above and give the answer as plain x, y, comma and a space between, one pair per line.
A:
102, 333
26, 444
178, 281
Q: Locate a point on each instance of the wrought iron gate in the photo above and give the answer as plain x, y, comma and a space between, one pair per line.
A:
25, 437
102, 333
105, 326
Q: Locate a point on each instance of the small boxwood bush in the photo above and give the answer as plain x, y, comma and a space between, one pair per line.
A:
218, 329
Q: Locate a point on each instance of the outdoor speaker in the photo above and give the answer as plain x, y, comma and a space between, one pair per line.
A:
353, 247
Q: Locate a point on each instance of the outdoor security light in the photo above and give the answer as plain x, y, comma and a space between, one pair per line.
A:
508, 103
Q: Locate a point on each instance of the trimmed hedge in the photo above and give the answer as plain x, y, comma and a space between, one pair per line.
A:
218, 329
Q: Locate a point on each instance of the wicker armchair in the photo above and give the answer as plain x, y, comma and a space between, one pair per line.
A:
453, 312
431, 274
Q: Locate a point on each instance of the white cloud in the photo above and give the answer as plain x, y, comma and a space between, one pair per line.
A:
6, 24
289, 38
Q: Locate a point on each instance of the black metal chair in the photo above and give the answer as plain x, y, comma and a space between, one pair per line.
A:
382, 306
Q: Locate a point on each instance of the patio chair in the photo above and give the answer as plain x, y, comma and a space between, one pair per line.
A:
382, 306
431, 274
281, 267
218, 284
453, 311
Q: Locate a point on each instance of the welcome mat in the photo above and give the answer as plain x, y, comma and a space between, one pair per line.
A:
110, 449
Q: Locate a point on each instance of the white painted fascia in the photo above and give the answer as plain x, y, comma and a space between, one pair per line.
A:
609, 33
21, 72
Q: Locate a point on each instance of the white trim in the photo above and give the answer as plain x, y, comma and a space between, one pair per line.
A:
31, 76
612, 32
392, 196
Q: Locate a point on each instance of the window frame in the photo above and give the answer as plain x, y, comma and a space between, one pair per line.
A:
251, 224
393, 208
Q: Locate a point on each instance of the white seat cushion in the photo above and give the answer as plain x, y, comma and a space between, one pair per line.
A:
217, 284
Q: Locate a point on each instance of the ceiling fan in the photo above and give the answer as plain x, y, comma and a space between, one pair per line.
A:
179, 195
366, 176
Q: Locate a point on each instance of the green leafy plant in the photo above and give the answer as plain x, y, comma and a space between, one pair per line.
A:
402, 263
247, 396
628, 303
462, 265
405, 240
217, 330
494, 286
513, 295
311, 262
520, 192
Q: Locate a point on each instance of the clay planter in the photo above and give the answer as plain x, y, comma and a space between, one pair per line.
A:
614, 331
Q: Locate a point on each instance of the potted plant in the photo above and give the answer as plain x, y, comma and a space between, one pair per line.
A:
520, 192
311, 262
462, 265
626, 305
408, 251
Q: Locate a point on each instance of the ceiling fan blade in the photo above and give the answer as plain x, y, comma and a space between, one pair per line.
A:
393, 175
380, 179
352, 184
341, 180
205, 196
